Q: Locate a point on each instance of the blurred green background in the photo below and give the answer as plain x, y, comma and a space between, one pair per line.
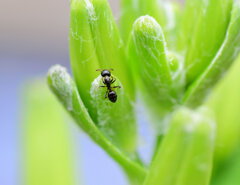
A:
34, 36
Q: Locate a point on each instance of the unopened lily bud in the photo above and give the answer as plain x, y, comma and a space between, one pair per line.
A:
228, 52
186, 154
119, 118
149, 61
115, 113
208, 36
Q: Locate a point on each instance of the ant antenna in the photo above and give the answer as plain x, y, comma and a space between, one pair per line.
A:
111, 69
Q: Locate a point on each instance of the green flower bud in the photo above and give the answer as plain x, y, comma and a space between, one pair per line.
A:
84, 60
226, 55
148, 56
176, 64
66, 91
208, 36
173, 61
186, 153
115, 120
95, 43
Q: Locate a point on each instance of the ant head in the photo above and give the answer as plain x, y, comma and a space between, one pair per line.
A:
105, 73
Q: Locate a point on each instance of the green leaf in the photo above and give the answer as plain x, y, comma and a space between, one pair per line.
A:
226, 55
66, 91
48, 155
186, 153
208, 37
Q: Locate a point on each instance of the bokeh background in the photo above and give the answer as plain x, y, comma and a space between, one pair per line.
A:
33, 37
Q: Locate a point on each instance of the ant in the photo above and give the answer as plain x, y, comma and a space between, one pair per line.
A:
108, 80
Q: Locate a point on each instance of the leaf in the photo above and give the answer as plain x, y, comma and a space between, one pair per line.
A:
186, 153
226, 55
66, 91
48, 157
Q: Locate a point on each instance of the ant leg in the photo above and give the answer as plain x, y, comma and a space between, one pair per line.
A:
103, 80
99, 69
102, 86
111, 69
113, 80
106, 94
117, 87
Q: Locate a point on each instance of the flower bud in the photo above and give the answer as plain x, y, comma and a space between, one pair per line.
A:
149, 62
185, 155
197, 91
115, 120
208, 36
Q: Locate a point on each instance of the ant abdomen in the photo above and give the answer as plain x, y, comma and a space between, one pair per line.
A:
112, 96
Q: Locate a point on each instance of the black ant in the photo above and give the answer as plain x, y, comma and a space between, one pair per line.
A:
108, 80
